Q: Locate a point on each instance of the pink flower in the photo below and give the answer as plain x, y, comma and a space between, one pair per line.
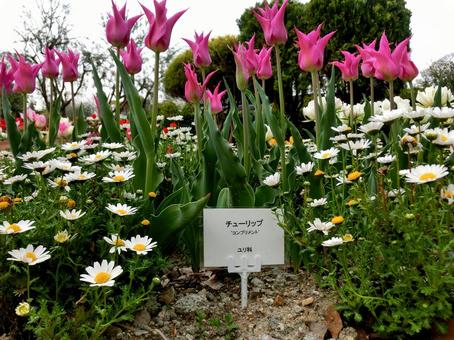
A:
272, 22
367, 66
24, 75
312, 48
118, 29
69, 62
158, 37
65, 128
349, 67
39, 120
408, 70
242, 67
200, 52
50, 64
193, 90
132, 58
252, 58
265, 70
215, 99
387, 65
6, 76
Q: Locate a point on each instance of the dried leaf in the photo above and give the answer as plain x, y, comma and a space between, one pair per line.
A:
333, 321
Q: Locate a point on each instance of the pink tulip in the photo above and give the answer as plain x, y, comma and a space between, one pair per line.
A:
69, 62
6, 76
252, 58
132, 58
65, 128
348, 68
215, 99
200, 52
265, 70
193, 90
408, 70
39, 120
118, 29
367, 66
272, 22
158, 37
50, 64
387, 65
312, 48
242, 67
24, 75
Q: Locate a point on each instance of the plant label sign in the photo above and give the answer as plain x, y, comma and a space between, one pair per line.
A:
239, 232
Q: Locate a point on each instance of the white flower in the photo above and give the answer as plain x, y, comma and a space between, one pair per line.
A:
102, 274
426, 173
118, 176
448, 193
334, 241
386, 159
22, 309
35, 155
62, 236
324, 227
37, 166
173, 155
117, 242
427, 97
444, 137
304, 167
79, 176
95, 158
16, 228
443, 113
175, 118
112, 145
72, 215
387, 116
345, 113
371, 127
121, 209
29, 255
272, 180
124, 156
419, 114
414, 130
72, 146
318, 202
14, 179
59, 183
326, 154
65, 165
141, 245
341, 128
357, 145
119, 167
268, 134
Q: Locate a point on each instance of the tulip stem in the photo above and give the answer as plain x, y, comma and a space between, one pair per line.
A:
314, 77
25, 112
412, 94
391, 94
73, 104
372, 105
198, 130
50, 108
246, 159
117, 92
259, 127
154, 108
352, 103
282, 116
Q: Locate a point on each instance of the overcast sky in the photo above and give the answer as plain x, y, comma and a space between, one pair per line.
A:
431, 21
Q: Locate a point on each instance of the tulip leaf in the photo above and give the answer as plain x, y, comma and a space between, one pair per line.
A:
224, 199
13, 133
329, 115
107, 118
81, 124
303, 155
437, 97
265, 196
367, 109
166, 226
54, 121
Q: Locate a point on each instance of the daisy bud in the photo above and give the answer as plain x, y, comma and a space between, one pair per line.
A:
63, 198
156, 281
145, 222
152, 194
89, 201
71, 203
4, 205
409, 216
22, 309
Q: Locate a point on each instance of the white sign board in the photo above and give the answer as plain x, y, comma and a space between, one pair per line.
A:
238, 232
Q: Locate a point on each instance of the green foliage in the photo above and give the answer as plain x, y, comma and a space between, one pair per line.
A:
222, 60
168, 108
216, 326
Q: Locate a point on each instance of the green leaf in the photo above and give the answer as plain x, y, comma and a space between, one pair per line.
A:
265, 196
303, 155
108, 120
166, 226
329, 115
437, 97
224, 199
55, 121
14, 136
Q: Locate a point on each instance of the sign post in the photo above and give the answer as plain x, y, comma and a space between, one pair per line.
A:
242, 240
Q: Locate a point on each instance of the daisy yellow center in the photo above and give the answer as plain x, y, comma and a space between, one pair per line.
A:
354, 175
427, 176
319, 173
337, 220
74, 144
15, 228
325, 155
82, 177
98, 156
449, 194
31, 256
4, 205
102, 277
118, 178
73, 155
119, 243
139, 247
347, 238
444, 138
122, 212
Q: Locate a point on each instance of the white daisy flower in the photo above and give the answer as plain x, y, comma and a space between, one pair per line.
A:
62, 236
65, 166
419, 114
35, 155
354, 146
318, 202
73, 146
112, 145
29, 255
326, 154
101, 274
173, 155
60, 183
14, 179
79, 176
16, 228
339, 138
317, 224
36, 166
371, 127
444, 137
124, 156
141, 245
272, 180
117, 243
72, 215
386, 159
341, 128
95, 158
443, 113
427, 97
121, 209
387, 116
119, 167
426, 173
414, 130
118, 176
304, 167
175, 118
448, 193
334, 241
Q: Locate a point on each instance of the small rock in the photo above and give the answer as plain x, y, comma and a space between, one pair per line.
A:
266, 337
142, 319
235, 296
269, 301
311, 336
191, 303
211, 297
257, 282
348, 333
308, 301
167, 296
278, 300
140, 333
